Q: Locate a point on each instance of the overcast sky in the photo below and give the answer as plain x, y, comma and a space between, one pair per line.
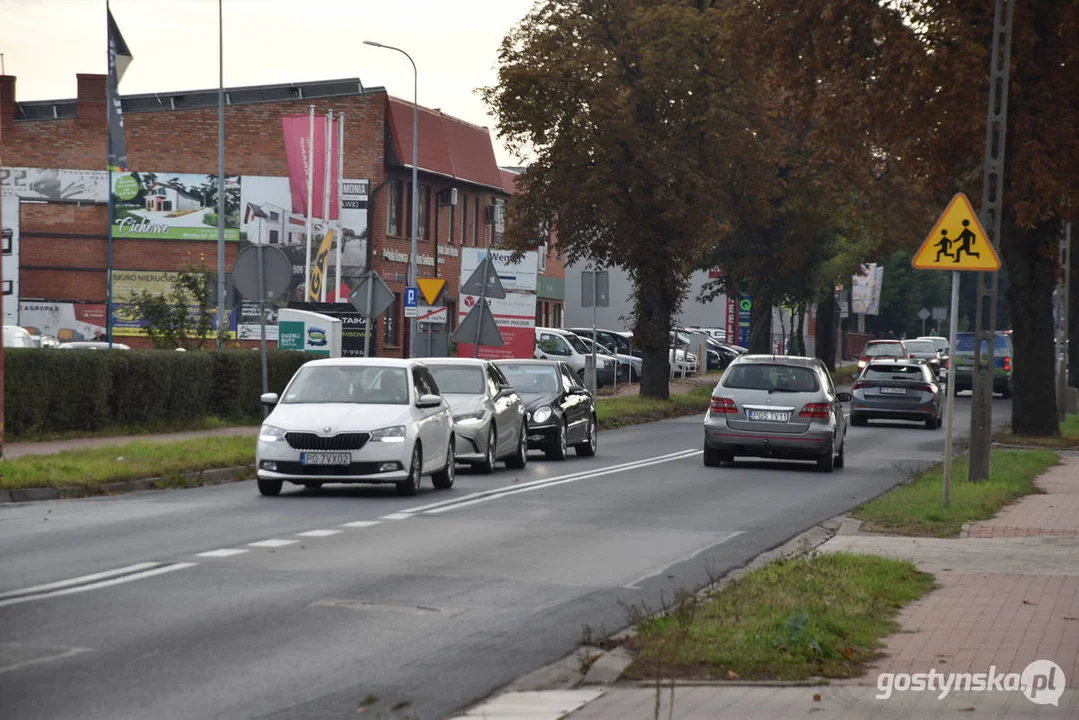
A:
174, 45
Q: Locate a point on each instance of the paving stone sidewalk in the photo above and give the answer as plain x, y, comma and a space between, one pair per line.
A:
1007, 595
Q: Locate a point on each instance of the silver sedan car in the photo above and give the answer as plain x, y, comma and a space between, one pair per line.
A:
488, 414
776, 407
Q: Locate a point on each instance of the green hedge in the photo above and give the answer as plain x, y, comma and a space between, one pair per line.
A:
55, 391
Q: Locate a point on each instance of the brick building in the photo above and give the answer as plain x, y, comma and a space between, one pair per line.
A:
53, 153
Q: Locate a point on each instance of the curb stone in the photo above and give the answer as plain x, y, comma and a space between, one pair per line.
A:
215, 476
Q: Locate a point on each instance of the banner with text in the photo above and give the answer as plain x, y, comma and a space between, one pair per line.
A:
515, 314
173, 206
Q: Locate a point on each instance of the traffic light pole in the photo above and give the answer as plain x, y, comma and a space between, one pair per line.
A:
981, 414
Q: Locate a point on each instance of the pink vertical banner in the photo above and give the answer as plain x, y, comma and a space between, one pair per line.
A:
302, 159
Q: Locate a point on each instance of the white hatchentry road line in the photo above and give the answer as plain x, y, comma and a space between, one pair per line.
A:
396, 516
37, 589
318, 533
224, 552
98, 585
272, 543
360, 524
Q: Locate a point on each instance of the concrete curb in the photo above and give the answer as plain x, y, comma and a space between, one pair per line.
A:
215, 476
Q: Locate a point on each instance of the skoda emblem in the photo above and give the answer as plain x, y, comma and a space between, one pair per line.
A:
326, 429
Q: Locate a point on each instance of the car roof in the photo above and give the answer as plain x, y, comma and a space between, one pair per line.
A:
792, 360
897, 361
361, 361
884, 342
526, 361
469, 362
556, 331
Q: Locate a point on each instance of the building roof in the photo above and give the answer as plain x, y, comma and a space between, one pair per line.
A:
447, 146
509, 180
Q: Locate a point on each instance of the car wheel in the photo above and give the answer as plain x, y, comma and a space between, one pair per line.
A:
558, 448
931, 424
488, 465
1006, 392
312, 485
270, 487
840, 459
519, 459
858, 420
712, 457
411, 485
940, 421
443, 479
588, 448
826, 462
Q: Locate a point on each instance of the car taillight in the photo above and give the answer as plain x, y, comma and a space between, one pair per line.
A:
816, 411
912, 356
862, 384
1007, 363
724, 406
924, 388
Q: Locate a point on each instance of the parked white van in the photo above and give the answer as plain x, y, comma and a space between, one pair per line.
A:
557, 344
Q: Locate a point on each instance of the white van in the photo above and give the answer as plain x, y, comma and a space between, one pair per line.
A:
556, 344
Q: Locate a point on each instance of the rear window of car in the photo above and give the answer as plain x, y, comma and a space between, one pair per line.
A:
964, 342
920, 346
883, 371
884, 350
762, 376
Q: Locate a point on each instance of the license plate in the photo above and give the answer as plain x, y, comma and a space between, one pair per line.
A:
964, 368
325, 458
769, 416
893, 391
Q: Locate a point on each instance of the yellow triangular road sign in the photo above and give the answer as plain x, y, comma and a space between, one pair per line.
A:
431, 287
957, 242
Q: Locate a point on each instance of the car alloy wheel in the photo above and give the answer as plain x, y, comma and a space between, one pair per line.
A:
488, 465
588, 448
560, 448
520, 458
411, 485
443, 479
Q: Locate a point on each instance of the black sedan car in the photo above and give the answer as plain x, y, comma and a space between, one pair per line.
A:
560, 412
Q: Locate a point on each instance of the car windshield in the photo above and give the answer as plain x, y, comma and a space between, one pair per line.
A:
884, 350
577, 344
615, 341
365, 385
889, 371
457, 379
532, 379
920, 346
779, 378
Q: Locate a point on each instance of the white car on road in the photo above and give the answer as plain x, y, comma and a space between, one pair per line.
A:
357, 420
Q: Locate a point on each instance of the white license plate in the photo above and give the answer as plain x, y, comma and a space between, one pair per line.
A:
893, 391
769, 416
308, 458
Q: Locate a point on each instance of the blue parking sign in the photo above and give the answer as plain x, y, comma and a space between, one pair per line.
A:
412, 297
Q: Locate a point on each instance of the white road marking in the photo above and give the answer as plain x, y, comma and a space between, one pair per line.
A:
360, 524
688, 556
271, 543
37, 661
318, 533
397, 516
514, 490
558, 479
79, 580
225, 552
97, 585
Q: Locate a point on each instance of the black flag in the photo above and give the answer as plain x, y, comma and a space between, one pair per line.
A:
119, 59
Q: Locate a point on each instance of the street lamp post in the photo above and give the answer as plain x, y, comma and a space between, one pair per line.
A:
412, 265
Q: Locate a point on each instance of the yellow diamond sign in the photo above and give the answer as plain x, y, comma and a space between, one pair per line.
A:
957, 242
431, 287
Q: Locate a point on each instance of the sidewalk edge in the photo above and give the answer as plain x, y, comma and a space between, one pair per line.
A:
213, 476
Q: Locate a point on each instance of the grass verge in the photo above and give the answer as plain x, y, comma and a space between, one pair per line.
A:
94, 467
1069, 436
916, 508
626, 410
844, 374
209, 423
818, 616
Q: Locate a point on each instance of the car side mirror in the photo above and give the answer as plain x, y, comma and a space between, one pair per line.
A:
268, 398
428, 401
506, 390
844, 397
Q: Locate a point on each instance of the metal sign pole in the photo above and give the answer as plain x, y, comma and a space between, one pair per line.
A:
595, 301
483, 299
371, 322
949, 412
262, 323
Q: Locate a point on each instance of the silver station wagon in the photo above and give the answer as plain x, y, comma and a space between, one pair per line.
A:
776, 406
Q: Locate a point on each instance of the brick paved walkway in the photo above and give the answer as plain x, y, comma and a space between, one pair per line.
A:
1054, 513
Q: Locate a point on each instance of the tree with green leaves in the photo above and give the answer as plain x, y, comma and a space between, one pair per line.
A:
641, 124
183, 316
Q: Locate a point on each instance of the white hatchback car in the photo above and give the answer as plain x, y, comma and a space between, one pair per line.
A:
357, 420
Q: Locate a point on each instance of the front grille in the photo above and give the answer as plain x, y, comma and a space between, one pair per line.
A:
295, 468
311, 441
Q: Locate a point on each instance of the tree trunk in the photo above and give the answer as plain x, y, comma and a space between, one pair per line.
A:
652, 331
1073, 315
1030, 255
826, 330
760, 322
800, 334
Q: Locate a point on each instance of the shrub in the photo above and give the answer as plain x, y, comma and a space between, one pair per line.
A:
55, 391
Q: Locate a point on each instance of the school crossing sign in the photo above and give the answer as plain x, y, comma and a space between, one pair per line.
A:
957, 242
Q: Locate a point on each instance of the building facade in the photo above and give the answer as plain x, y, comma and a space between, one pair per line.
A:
56, 199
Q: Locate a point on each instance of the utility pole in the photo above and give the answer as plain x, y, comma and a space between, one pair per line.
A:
222, 318
981, 414
1062, 334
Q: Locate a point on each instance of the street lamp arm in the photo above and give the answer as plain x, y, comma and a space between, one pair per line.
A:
372, 43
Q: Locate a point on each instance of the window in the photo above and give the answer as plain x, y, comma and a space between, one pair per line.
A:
542, 257
778, 378
475, 219
464, 219
275, 237
569, 378
892, 371
365, 385
429, 379
883, 350
275, 216
557, 322
425, 202
422, 388
453, 219
389, 322
552, 344
494, 383
541, 314
393, 207
458, 379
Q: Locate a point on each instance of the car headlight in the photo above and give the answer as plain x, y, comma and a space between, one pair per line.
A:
542, 415
269, 433
395, 434
690, 357
472, 418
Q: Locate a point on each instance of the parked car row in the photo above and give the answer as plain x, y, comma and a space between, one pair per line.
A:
388, 421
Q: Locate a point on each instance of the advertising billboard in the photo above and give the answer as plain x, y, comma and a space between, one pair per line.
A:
172, 206
515, 314
67, 322
9, 257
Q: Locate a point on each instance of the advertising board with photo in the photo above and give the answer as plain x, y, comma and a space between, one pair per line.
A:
55, 185
9, 257
515, 314
173, 206
127, 285
67, 322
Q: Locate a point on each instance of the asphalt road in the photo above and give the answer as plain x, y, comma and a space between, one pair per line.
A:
427, 603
